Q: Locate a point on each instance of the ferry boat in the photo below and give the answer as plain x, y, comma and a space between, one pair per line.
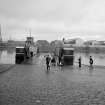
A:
27, 51
65, 55
30, 45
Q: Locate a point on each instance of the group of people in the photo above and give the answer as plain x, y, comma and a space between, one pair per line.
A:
90, 61
53, 61
48, 60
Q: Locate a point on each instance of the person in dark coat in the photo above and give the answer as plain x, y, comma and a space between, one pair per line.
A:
79, 61
48, 62
91, 61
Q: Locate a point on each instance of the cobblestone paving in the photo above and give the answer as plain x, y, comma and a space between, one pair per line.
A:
5, 67
33, 85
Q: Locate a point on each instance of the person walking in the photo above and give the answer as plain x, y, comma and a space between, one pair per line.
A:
48, 59
79, 61
91, 61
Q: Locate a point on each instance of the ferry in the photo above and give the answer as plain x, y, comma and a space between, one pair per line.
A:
65, 55
27, 51
30, 45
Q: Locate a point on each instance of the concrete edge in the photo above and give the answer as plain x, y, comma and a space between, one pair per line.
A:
8, 68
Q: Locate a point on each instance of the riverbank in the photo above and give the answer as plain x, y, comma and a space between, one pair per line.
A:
5, 67
90, 49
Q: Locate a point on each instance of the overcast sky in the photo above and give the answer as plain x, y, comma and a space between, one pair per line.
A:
53, 19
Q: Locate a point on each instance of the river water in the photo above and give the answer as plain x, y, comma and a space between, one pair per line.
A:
8, 57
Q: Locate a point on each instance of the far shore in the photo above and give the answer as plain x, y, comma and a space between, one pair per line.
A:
93, 49
84, 49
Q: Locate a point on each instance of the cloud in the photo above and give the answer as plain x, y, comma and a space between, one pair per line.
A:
48, 18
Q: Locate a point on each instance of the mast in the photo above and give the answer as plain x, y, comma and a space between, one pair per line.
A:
30, 32
0, 34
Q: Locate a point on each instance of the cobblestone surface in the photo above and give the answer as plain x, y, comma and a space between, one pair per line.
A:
5, 67
31, 84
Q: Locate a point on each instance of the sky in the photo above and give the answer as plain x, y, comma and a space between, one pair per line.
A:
52, 19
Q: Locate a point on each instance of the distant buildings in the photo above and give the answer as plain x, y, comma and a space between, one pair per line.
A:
79, 42
75, 41
94, 43
43, 45
101, 43
91, 42
57, 43
42, 42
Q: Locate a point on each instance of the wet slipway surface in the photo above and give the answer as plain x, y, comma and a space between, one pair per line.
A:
31, 84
